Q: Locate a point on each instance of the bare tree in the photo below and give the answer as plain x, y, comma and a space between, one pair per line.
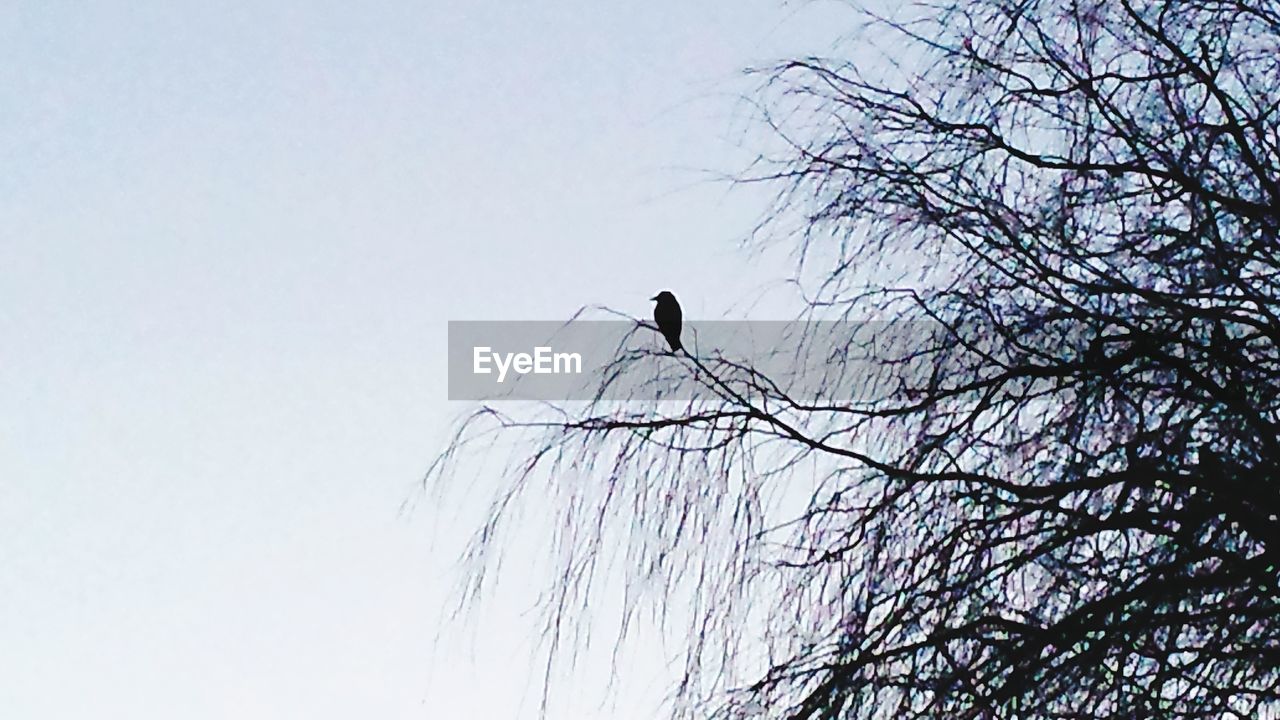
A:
1073, 511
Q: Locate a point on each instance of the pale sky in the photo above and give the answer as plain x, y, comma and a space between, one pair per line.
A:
232, 233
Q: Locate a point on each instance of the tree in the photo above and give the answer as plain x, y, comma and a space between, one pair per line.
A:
1073, 512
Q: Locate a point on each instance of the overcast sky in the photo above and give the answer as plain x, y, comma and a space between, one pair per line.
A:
232, 234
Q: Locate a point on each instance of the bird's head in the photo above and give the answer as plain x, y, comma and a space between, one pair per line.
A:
664, 296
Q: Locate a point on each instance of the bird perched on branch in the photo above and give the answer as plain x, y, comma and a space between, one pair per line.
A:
668, 317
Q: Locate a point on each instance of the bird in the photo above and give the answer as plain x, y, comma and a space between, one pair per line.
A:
668, 317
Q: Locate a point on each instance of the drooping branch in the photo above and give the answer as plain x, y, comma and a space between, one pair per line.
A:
1062, 499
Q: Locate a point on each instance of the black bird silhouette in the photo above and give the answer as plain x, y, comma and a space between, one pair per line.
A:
668, 317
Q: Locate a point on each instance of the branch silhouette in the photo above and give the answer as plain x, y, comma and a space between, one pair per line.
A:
1052, 490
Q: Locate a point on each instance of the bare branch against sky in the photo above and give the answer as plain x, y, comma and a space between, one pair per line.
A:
1073, 511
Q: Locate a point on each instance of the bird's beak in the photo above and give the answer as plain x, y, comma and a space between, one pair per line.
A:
655, 297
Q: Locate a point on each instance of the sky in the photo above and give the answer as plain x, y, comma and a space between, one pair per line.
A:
232, 235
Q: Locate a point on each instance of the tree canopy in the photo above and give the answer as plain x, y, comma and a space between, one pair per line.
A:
1071, 512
